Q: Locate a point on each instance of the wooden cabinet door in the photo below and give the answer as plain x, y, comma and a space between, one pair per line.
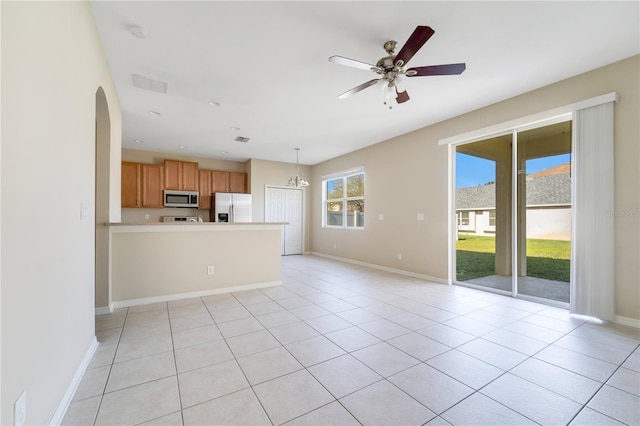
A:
130, 184
219, 181
172, 174
189, 176
237, 182
204, 189
152, 196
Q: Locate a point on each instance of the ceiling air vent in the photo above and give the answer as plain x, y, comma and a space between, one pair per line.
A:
242, 139
149, 84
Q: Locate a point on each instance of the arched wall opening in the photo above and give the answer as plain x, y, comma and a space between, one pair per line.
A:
102, 189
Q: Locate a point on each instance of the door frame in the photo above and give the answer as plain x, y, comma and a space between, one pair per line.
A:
302, 201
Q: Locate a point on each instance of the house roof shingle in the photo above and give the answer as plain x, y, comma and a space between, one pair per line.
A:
551, 189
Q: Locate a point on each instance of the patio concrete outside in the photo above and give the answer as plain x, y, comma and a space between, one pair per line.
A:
530, 286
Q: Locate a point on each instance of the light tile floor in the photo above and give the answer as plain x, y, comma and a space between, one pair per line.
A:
339, 344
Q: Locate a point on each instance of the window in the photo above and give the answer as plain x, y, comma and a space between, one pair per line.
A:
492, 218
343, 199
463, 219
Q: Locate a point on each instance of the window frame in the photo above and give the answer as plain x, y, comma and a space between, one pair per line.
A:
344, 175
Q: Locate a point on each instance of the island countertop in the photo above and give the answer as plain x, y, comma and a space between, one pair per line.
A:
193, 226
163, 261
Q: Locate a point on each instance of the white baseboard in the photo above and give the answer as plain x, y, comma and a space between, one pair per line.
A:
631, 322
73, 386
384, 268
179, 296
102, 310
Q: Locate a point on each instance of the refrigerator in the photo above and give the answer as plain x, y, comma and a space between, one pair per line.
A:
228, 207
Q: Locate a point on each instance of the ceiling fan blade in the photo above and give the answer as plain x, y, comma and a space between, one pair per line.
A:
417, 39
358, 88
401, 96
449, 69
353, 63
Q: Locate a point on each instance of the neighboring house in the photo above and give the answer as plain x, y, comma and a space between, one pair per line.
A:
548, 206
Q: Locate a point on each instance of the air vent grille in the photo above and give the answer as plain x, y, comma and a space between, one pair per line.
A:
242, 139
149, 84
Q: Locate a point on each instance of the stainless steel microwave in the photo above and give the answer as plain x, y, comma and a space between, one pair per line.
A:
180, 198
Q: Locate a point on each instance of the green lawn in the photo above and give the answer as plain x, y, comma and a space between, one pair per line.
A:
548, 259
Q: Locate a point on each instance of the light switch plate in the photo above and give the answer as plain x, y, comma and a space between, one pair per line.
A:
420, 217
380, 216
84, 211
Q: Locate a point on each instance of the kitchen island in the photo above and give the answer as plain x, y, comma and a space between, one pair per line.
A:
160, 262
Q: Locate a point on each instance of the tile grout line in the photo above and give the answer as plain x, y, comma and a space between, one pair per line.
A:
602, 386
104, 390
378, 288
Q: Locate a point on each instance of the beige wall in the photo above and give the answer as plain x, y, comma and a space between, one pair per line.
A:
52, 66
408, 174
264, 173
137, 215
157, 263
151, 157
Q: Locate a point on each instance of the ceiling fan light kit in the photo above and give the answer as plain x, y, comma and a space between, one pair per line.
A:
392, 67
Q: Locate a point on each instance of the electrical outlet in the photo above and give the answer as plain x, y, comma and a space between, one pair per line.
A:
210, 270
380, 216
146, 216
399, 256
335, 246
20, 410
420, 217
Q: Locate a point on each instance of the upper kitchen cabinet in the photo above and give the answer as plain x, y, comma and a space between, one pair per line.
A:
181, 175
228, 181
152, 186
237, 182
219, 181
212, 181
141, 185
130, 184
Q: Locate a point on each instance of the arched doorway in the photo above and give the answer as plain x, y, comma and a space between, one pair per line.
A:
102, 155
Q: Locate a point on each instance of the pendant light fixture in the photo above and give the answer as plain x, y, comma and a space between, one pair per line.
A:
297, 180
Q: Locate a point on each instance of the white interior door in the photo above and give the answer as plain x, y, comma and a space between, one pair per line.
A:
285, 205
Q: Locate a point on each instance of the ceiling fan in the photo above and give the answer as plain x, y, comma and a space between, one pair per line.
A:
391, 68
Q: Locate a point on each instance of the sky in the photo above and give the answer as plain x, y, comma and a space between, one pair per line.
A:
472, 171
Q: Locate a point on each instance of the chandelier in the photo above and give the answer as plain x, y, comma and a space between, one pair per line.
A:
297, 180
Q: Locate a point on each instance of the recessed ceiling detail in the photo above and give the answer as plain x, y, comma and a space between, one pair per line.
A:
147, 83
137, 31
241, 139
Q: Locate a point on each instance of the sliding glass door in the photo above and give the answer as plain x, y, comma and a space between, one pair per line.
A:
483, 213
513, 212
544, 212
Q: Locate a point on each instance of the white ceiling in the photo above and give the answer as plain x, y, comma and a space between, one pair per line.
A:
266, 63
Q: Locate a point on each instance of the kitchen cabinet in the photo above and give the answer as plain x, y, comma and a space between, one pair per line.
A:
181, 175
141, 185
237, 182
152, 186
204, 202
228, 182
130, 184
212, 181
219, 181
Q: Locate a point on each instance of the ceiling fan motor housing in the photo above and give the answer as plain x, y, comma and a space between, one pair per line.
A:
389, 69
390, 47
